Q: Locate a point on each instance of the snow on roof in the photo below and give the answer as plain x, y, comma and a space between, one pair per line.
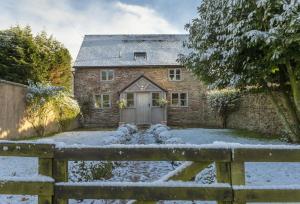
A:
118, 50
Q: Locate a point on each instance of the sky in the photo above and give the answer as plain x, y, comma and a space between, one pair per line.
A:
69, 20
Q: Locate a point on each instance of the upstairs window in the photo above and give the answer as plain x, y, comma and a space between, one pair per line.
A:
175, 74
102, 101
130, 100
179, 99
140, 55
107, 75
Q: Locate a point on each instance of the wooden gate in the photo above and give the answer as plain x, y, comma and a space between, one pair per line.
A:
229, 161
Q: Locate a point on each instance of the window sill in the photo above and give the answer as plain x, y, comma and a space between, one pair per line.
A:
102, 108
179, 106
175, 80
107, 80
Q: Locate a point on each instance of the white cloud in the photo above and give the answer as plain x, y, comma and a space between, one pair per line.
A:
69, 25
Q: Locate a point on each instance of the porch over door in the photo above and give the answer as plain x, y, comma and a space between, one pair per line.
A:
143, 108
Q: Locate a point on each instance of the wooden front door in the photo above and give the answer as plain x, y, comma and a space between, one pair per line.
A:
143, 108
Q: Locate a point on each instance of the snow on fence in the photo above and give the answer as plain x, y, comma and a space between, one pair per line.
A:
52, 185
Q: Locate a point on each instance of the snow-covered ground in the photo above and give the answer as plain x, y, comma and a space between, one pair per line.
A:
256, 173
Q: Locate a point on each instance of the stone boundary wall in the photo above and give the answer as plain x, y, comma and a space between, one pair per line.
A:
256, 113
13, 124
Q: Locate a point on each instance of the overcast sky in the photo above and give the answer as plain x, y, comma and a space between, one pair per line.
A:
69, 20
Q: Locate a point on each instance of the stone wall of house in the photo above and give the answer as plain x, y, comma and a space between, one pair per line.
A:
87, 83
256, 113
13, 123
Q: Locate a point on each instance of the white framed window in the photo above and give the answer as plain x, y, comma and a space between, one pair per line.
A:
140, 55
175, 74
179, 99
155, 99
130, 100
102, 101
107, 75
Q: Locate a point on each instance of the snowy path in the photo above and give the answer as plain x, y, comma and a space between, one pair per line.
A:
256, 173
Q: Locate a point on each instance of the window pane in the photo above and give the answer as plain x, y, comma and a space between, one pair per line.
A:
175, 98
110, 75
140, 55
183, 102
183, 99
155, 95
183, 96
106, 101
97, 101
130, 99
130, 96
171, 74
155, 99
103, 75
178, 74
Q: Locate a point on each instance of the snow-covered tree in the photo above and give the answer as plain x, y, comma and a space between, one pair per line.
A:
250, 43
223, 102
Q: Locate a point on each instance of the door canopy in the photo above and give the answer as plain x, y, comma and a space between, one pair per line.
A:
142, 84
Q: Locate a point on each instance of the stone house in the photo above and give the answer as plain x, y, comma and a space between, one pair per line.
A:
140, 71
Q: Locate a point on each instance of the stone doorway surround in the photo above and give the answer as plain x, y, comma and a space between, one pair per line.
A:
144, 109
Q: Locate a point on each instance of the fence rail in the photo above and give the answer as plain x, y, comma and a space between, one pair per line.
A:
53, 186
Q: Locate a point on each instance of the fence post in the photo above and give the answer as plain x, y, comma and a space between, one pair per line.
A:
45, 168
60, 174
223, 175
238, 176
232, 173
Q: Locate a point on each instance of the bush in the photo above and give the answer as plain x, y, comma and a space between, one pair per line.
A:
44, 102
66, 109
84, 171
224, 102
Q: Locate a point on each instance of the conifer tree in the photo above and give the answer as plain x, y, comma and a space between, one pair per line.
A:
25, 57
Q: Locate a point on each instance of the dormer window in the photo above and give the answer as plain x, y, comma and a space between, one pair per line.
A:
140, 55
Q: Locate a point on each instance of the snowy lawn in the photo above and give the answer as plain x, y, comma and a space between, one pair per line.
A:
256, 173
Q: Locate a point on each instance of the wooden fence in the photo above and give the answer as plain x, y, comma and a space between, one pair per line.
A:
230, 171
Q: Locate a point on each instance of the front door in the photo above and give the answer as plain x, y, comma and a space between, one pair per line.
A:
142, 108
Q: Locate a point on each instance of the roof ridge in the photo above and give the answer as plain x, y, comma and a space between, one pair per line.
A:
156, 34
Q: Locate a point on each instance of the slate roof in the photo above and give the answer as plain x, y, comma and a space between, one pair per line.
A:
118, 50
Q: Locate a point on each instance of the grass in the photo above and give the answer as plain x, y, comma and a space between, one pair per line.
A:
36, 137
48, 135
95, 129
51, 134
253, 135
